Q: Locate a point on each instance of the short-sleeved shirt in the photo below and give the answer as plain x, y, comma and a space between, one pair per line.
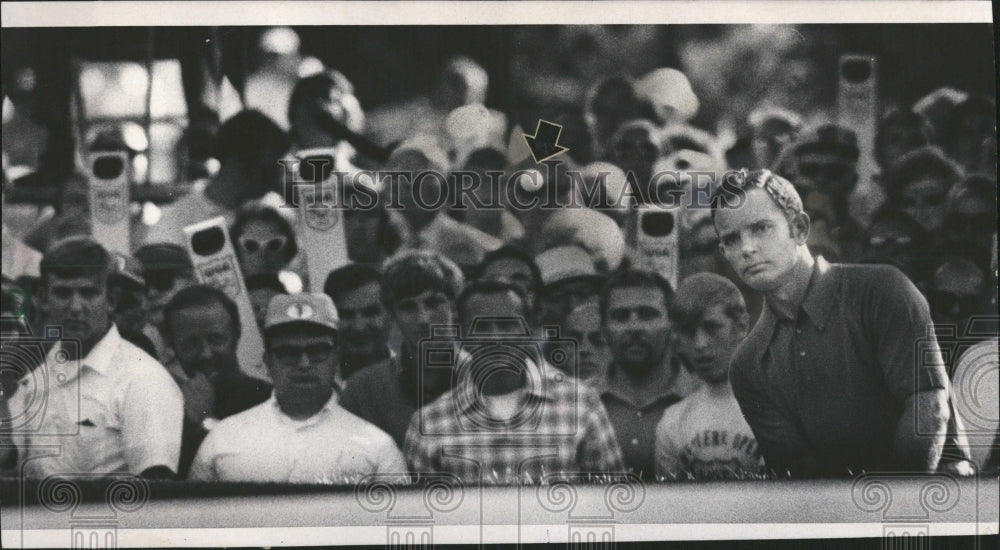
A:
635, 423
387, 394
831, 382
560, 427
263, 444
706, 437
116, 410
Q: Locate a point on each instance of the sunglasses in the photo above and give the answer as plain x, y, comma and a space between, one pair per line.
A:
290, 355
878, 241
271, 245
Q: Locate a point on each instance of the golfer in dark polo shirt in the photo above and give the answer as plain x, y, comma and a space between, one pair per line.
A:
829, 379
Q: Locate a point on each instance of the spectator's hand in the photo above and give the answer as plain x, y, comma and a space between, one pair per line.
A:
199, 398
959, 468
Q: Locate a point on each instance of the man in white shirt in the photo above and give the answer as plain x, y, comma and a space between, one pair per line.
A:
300, 434
106, 405
705, 436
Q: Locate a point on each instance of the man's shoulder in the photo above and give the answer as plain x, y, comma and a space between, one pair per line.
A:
867, 274
379, 374
140, 365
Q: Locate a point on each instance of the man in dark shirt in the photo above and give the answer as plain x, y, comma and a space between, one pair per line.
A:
419, 289
831, 378
644, 377
203, 326
364, 322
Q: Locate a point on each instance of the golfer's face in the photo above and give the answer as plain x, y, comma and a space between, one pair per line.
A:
756, 240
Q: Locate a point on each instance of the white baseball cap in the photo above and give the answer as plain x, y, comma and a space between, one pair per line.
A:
563, 263
313, 307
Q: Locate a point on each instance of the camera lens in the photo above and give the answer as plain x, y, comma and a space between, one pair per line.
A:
316, 169
208, 241
856, 70
658, 224
108, 168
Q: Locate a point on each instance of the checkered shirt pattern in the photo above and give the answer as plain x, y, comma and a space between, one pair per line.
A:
561, 428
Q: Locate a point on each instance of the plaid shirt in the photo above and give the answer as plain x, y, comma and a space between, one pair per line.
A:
560, 427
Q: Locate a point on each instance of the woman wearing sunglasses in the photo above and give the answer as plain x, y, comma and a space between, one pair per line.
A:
263, 239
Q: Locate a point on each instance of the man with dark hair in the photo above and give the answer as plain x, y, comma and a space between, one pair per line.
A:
644, 377
364, 321
508, 420
969, 132
418, 289
130, 312
166, 270
918, 184
704, 436
825, 172
202, 324
874, 404
512, 264
249, 146
321, 110
895, 239
122, 405
970, 219
899, 132
300, 434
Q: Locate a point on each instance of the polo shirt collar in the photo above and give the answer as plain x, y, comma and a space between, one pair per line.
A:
816, 302
822, 292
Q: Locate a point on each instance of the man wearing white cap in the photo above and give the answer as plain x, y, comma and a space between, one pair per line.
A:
569, 279
301, 434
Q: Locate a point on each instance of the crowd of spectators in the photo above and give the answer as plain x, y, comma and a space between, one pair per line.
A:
508, 343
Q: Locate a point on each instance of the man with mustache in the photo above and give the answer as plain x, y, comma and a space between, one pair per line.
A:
831, 378
364, 322
202, 325
645, 376
300, 434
